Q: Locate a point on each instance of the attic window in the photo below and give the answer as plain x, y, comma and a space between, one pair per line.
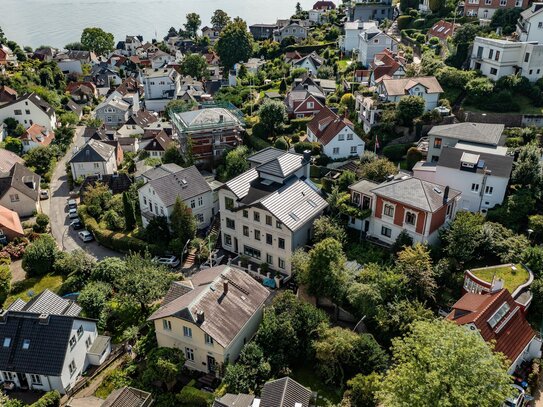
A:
7, 342
26, 343
437, 190
294, 216
498, 315
311, 203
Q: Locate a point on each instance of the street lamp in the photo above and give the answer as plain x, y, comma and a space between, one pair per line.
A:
530, 231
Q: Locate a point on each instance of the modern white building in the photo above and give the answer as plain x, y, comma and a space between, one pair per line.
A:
530, 24
29, 109
496, 58
46, 345
336, 135
268, 211
161, 86
350, 41
165, 183
372, 41
481, 174
477, 134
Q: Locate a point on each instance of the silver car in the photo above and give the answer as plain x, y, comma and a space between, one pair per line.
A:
170, 261
86, 236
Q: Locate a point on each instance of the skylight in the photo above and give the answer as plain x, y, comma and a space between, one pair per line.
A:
26, 343
294, 216
7, 342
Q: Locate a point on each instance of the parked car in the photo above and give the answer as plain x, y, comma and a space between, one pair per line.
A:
76, 224
72, 204
86, 236
72, 213
44, 194
170, 261
519, 398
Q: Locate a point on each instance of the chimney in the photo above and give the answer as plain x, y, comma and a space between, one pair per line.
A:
43, 319
200, 317
307, 163
446, 195
225, 287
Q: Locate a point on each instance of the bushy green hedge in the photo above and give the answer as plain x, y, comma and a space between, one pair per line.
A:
191, 396
404, 22
298, 125
50, 399
395, 152
115, 240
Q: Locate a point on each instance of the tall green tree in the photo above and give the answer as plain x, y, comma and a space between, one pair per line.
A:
193, 23
273, 114
220, 19
194, 65
527, 168
415, 263
39, 158
173, 155
426, 373
409, 108
97, 40
129, 212
40, 256
182, 222
250, 372
5, 282
14, 145
93, 298
165, 365
235, 43
325, 227
361, 390
462, 237
236, 162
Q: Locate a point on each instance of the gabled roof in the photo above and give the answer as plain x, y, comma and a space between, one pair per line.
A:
416, 193
484, 133
285, 392
36, 100
234, 400
401, 86
161, 142
8, 160
74, 107
535, 8
38, 134
442, 29
263, 156
385, 63
9, 220
93, 151
224, 313
128, 397
326, 125
129, 85
47, 302
282, 166
324, 4
184, 183
512, 333
21, 179
117, 103
313, 58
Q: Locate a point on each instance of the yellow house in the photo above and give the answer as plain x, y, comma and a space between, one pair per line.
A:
211, 316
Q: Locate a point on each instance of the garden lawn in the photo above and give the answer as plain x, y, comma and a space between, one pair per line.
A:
35, 285
525, 104
326, 394
511, 279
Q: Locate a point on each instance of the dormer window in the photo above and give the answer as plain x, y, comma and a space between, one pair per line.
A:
7, 342
26, 343
499, 314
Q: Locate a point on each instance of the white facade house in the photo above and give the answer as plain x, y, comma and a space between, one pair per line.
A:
160, 59
311, 62
161, 86
530, 24
268, 211
336, 135
496, 58
392, 90
29, 109
164, 184
316, 16
47, 345
20, 190
113, 112
477, 172
95, 157
372, 41
477, 134
350, 41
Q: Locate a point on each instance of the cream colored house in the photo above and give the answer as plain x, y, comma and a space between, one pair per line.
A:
210, 317
20, 190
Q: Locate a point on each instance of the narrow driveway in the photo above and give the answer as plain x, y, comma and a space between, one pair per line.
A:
56, 207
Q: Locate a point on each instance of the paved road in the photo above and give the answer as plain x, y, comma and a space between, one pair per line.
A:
57, 209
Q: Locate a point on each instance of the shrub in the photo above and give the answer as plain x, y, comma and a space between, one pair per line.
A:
49, 399
281, 143
404, 22
40, 256
192, 397
413, 156
395, 152
42, 221
5, 282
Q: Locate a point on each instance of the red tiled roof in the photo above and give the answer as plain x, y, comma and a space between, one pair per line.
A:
38, 134
10, 220
442, 30
324, 5
326, 125
512, 334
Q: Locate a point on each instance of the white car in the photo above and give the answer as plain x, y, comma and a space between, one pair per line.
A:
86, 236
44, 194
72, 213
170, 261
519, 398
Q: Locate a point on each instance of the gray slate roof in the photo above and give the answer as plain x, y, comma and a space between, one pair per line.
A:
295, 204
225, 314
35, 99
282, 166
472, 132
415, 193
20, 178
363, 186
93, 151
500, 165
211, 117
47, 302
184, 183
284, 392
234, 400
48, 343
263, 156
128, 397
99, 345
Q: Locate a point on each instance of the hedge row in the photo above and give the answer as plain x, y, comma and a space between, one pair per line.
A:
49, 399
117, 241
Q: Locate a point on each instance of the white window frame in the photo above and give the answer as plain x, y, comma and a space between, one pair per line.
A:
489, 190
35, 380
415, 216
393, 209
208, 340
189, 354
166, 325
474, 187
187, 332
